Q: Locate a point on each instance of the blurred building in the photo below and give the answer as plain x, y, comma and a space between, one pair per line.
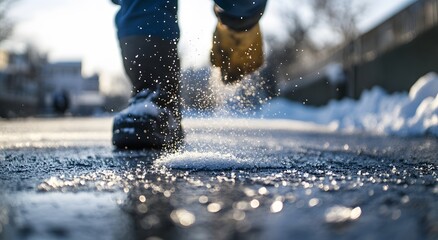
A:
63, 81
19, 83
392, 55
30, 85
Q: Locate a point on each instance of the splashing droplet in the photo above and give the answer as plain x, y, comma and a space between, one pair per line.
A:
183, 217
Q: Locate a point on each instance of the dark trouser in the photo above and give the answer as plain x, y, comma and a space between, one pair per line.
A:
158, 18
148, 32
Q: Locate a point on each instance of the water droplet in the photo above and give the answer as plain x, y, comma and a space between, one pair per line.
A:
340, 214
263, 191
276, 206
239, 215
203, 199
254, 203
214, 207
313, 202
183, 217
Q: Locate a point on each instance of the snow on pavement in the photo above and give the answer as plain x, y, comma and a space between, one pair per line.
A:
404, 114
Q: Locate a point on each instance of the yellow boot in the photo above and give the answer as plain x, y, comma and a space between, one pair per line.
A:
236, 53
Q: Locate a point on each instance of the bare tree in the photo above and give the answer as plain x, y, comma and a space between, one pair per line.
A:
282, 54
5, 23
298, 44
342, 16
339, 16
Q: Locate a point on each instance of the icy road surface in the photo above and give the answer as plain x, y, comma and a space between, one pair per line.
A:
234, 179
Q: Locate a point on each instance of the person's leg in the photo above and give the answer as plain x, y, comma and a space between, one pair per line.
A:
148, 35
240, 15
237, 41
148, 18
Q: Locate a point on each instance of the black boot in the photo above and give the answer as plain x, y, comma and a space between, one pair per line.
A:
153, 117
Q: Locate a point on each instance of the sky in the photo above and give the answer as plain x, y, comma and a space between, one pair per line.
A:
84, 30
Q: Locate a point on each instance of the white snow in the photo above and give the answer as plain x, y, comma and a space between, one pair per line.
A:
405, 114
375, 112
204, 161
208, 160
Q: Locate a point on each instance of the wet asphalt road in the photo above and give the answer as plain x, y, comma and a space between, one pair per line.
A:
61, 179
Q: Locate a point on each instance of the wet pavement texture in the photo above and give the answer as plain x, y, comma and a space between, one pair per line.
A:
62, 179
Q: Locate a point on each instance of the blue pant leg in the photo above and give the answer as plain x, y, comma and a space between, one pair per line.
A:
240, 15
156, 18
242, 8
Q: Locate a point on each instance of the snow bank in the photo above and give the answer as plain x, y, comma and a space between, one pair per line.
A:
401, 114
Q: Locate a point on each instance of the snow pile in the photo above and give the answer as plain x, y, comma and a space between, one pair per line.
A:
401, 114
